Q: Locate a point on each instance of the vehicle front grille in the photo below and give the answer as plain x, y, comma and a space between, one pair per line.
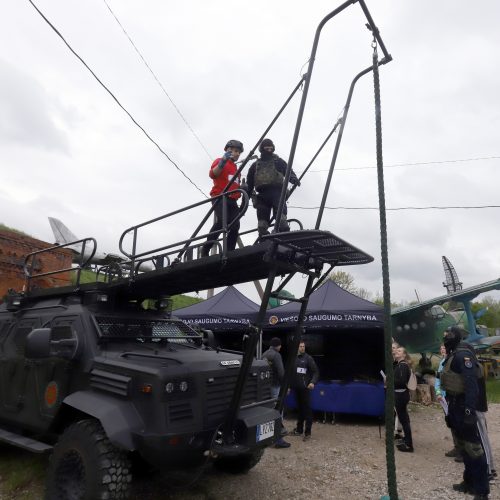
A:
266, 392
219, 391
179, 411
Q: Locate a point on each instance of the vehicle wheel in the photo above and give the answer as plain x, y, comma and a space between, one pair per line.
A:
86, 466
241, 464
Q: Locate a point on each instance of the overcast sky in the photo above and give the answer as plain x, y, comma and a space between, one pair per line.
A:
68, 151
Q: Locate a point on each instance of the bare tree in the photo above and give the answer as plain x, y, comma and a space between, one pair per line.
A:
343, 280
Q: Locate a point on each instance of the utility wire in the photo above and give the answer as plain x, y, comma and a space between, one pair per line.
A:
159, 83
400, 208
415, 164
114, 98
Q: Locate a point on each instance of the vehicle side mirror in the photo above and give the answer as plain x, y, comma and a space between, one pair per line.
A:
58, 341
38, 344
209, 339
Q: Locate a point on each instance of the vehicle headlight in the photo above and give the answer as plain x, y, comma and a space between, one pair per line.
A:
169, 387
262, 375
183, 386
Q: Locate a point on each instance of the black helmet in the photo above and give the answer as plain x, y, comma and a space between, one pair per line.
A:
266, 143
452, 337
233, 143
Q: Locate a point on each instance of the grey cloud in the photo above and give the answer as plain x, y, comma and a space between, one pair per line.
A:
29, 113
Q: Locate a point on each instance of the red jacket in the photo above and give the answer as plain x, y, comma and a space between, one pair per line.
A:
225, 176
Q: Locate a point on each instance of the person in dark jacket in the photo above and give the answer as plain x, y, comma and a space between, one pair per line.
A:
266, 176
398, 428
305, 378
402, 373
462, 379
273, 357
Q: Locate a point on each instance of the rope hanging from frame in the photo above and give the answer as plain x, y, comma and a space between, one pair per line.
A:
389, 400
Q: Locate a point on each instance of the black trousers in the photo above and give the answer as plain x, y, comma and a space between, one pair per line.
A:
471, 448
401, 400
267, 200
232, 235
303, 395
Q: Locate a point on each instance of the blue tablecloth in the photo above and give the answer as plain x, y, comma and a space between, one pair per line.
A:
360, 398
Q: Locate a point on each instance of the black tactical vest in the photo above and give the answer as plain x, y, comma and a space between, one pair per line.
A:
452, 382
266, 174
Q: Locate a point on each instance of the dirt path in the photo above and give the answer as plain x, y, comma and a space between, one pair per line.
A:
347, 461
342, 461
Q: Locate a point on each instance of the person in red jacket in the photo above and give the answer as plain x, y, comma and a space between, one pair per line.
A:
221, 172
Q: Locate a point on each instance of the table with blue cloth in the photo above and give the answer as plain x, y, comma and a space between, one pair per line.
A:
361, 398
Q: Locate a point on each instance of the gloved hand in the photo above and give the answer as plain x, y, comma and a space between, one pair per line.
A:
227, 155
470, 417
244, 185
253, 197
295, 182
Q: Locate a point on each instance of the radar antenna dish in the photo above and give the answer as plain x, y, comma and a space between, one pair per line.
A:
451, 284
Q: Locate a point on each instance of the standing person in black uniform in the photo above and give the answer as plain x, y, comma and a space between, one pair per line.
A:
266, 175
273, 357
303, 382
462, 378
402, 373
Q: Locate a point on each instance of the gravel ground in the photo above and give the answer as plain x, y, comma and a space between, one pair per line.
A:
341, 461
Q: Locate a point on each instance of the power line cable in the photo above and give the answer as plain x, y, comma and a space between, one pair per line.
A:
399, 208
115, 99
415, 163
159, 82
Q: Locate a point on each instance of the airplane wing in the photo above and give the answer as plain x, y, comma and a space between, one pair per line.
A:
465, 294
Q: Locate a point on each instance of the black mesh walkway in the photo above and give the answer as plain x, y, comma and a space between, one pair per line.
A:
303, 251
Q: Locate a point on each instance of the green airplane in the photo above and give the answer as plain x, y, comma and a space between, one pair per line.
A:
419, 327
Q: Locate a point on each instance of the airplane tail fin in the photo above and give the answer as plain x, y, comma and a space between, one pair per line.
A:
62, 234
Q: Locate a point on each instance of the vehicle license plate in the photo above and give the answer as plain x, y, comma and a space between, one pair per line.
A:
265, 431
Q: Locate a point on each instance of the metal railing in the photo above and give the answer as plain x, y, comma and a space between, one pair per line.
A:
84, 260
183, 248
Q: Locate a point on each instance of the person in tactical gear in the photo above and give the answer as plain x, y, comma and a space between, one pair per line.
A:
462, 379
273, 357
222, 172
266, 176
305, 378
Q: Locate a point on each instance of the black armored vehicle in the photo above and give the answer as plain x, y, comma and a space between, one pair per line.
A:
100, 378
99, 374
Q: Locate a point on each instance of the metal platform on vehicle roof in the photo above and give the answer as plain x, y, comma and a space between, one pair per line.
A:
304, 251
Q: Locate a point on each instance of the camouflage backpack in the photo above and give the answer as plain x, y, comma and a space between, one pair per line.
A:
266, 174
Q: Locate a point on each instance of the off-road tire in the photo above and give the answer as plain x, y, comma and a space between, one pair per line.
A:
241, 464
86, 466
